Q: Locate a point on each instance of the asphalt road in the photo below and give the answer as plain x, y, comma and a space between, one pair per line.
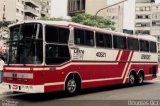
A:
121, 95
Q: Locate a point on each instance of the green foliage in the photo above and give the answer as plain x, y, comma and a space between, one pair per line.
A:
86, 19
90, 20
53, 19
5, 23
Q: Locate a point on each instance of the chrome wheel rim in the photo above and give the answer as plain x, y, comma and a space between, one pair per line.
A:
140, 79
71, 86
131, 79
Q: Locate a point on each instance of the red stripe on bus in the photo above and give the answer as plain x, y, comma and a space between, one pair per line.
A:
127, 69
118, 54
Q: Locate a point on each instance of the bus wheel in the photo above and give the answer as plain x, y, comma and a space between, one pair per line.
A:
71, 86
140, 78
132, 79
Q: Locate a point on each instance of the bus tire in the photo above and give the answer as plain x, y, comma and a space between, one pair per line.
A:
140, 78
132, 79
72, 86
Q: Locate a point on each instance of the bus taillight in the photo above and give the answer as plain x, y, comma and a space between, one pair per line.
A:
154, 70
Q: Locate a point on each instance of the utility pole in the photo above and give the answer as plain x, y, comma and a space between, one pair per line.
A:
108, 7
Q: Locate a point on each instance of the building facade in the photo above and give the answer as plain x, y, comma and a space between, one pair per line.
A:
4, 36
70, 8
45, 7
11, 10
31, 10
143, 17
19, 10
76, 6
115, 14
57, 10
93, 7
155, 23
147, 19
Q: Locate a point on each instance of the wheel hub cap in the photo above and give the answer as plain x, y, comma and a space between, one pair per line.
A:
71, 86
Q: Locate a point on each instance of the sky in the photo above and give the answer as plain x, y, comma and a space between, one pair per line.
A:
157, 1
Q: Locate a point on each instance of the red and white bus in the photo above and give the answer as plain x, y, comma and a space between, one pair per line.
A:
48, 56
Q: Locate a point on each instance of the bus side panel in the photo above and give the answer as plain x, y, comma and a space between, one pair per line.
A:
54, 88
94, 75
146, 68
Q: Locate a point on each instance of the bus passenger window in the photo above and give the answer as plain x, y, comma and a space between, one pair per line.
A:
56, 54
133, 44
57, 34
78, 40
51, 34
144, 46
153, 47
79, 36
83, 37
108, 40
100, 40
89, 36
63, 35
103, 40
119, 42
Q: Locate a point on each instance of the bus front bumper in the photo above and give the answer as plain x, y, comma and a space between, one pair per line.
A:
23, 88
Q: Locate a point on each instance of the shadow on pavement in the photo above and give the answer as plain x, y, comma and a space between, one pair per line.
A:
60, 95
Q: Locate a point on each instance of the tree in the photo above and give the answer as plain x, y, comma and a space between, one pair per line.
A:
90, 20
5, 23
53, 19
86, 19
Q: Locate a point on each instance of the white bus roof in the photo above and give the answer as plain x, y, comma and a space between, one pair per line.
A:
68, 24
147, 37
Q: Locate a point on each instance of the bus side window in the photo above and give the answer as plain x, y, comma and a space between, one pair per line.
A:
119, 42
132, 44
78, 40
79, 36
103, 40
57, 34
153, 47
108, 40
89, 38
144, 45
83, 37
56, 54
100, 40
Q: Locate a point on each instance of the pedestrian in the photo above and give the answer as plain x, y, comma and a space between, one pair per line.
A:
1, 68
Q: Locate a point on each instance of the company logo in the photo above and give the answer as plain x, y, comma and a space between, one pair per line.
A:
77, 50
15, 87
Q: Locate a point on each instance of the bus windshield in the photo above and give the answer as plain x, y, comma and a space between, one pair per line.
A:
26, 44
